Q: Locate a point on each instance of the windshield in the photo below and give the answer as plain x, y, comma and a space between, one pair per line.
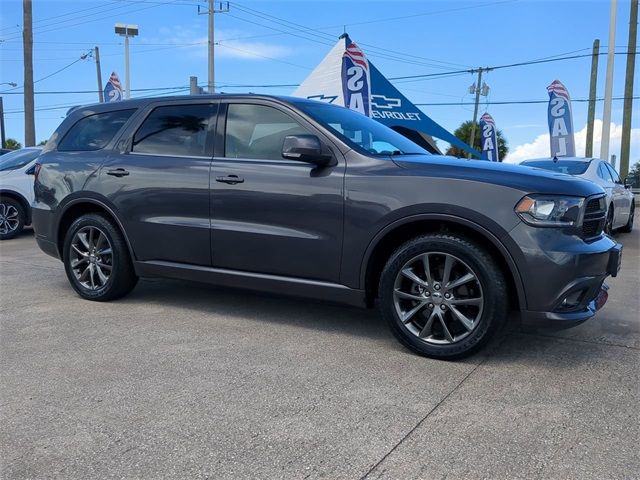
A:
18, 158
360, 131
571, 167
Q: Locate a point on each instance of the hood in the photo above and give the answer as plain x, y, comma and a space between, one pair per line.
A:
527, 179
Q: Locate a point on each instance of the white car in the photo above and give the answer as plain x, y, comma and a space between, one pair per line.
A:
16, 190
620, 200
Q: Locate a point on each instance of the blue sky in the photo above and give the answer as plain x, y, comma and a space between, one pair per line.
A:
258, 46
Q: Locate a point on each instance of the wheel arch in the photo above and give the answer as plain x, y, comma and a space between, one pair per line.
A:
82, 206
20, 199
403, 230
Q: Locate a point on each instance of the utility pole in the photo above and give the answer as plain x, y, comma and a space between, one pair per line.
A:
591, 114
223, 7
477, 89
628, 90
27, 40
3, 143
608, 86
99, 74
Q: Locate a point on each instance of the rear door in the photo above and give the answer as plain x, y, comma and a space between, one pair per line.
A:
269, 214
158, 180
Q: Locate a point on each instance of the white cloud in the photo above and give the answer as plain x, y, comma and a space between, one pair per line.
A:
540, 146
195, 43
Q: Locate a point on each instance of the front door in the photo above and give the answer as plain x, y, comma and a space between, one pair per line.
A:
159, 183
269, 214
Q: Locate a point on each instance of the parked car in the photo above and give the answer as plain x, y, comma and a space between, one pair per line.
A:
295, 196
16, 190
620, 199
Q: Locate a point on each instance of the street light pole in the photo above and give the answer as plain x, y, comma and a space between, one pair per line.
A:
126, 31
127, 78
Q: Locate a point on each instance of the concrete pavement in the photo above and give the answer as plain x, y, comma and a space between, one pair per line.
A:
180, 380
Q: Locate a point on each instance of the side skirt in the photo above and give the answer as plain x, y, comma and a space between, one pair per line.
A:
297, 287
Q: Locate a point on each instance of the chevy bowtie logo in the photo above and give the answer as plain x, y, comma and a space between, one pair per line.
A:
323, 98
381, 101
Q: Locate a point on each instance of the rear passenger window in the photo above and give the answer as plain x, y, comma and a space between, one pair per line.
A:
180, 130
95, 131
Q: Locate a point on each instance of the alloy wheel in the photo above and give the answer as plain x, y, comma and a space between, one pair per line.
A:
438, 298
91, 258
9, 218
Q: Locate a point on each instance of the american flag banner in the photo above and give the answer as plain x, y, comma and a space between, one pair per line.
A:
489, 138
356, 79
113, 89
357, 55
560, 118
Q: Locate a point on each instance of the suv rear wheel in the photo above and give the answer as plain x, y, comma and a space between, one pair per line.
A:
443, 296
96, 259
12, 218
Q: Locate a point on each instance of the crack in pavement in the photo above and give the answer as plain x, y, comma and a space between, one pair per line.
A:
444, 399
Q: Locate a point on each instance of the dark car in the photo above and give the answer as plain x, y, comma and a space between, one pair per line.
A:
300, 197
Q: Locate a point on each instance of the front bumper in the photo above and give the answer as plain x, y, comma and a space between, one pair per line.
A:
579, 301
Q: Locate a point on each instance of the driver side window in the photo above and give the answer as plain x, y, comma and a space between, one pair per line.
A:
603, 173
257, 131
614, 174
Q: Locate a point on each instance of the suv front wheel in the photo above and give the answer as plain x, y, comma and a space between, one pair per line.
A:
97, 260
443, 296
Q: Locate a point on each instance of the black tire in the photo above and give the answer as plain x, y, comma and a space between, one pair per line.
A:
13, 223
121, 279
629, 226
489, 280
608, 224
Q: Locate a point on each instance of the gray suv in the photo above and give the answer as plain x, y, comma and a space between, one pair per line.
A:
300, 197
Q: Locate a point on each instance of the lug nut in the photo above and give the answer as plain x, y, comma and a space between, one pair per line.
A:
447, 295
431, 305
443, 307
437, 286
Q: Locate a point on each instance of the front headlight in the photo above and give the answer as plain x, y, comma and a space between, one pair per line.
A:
550, 210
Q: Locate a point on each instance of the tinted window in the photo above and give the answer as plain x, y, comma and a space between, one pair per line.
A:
18, 158
361, 131
176, 130
258, 131
571, 167
95, 131
603, 173
614, 174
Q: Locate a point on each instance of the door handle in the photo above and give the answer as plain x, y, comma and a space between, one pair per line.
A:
231, 179
118, 172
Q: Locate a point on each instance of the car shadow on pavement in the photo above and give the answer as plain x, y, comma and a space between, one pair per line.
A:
258, 306
512, 344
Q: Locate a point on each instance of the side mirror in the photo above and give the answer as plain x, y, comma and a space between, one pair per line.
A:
305, 148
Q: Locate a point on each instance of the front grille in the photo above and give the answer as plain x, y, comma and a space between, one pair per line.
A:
595, 214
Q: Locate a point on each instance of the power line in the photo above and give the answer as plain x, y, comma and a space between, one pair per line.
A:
498, 67
309, 31
512, 102
102, 17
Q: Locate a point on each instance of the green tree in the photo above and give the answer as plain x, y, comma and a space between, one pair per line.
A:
463, 132
12, 144
42, 143
633, 177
